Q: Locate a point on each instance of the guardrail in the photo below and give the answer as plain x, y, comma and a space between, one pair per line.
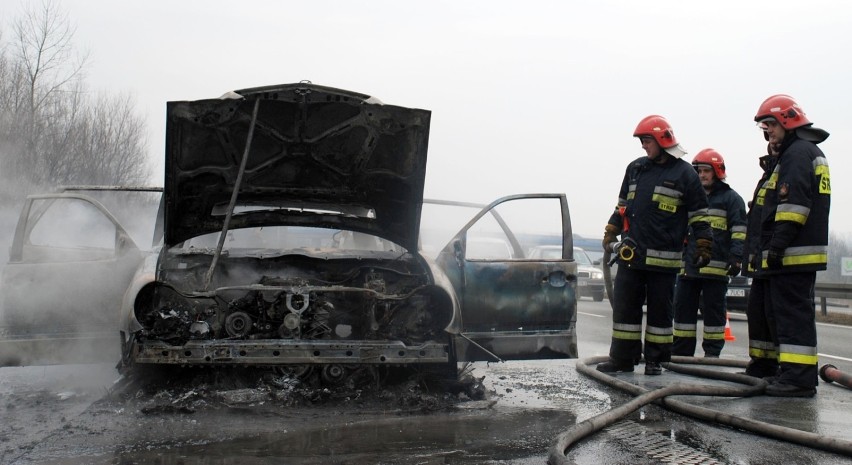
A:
831, 291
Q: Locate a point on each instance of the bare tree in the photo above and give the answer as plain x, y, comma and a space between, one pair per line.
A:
108, 144
53, 131
45, 49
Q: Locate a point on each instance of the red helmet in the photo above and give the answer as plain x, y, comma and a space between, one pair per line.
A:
657, 127
711, 158
783, 109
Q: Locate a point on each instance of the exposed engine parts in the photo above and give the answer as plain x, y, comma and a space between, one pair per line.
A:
238, 324
170, 325
333, 374
277, 309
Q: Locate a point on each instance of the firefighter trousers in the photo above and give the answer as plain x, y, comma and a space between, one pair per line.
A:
631, 289
688, 298
782, 328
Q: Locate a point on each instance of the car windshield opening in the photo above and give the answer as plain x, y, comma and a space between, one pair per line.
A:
285, 239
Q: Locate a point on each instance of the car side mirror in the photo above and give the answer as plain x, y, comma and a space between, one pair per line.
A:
596, 262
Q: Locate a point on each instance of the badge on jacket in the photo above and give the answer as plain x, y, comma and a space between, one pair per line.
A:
783, 191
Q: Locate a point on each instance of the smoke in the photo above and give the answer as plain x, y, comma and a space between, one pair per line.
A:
66, 275
72, 349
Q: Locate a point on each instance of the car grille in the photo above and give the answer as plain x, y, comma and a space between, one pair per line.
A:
582, 274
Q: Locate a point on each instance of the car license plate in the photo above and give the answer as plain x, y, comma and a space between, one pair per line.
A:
736, 293
583, 283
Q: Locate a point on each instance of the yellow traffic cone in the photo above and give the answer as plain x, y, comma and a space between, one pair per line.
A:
729, 336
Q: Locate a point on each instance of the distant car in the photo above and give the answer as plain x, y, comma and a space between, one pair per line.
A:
590, 282
595, 255
590, 277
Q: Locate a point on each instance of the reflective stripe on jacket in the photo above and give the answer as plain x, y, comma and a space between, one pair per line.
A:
727, 218
790, 210
661, 200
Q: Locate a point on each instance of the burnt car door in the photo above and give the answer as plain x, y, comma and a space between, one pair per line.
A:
69, 265
514, 306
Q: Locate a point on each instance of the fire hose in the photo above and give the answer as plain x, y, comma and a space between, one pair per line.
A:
754, 386
830, 373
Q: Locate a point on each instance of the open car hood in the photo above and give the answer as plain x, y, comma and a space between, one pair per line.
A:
318, 156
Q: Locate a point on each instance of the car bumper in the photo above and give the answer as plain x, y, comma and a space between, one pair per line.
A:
590, 288
275, 352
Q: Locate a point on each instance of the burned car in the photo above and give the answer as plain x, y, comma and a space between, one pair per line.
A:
291, 238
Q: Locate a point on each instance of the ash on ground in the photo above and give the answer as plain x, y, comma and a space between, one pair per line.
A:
172, 390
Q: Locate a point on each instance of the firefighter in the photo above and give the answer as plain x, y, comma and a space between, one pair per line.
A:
787, 241
727, 219
660, 197
762, 350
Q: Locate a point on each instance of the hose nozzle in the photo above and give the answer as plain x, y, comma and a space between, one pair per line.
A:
625, 250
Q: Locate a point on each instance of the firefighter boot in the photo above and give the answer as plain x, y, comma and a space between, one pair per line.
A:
653, 368
616, 366
778, 389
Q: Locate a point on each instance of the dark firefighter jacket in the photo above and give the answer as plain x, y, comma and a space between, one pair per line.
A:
727, 218
660, 200
752, 243
791, 214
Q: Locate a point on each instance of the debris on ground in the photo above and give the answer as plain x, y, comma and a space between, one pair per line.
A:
165, 390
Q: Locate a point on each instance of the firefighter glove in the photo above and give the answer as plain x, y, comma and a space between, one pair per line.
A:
611, 233
754, 262
703, 252
734, 267
774, 259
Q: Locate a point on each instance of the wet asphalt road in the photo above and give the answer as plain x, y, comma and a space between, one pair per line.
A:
50, 416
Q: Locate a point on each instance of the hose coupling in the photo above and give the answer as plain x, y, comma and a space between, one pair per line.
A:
625, 250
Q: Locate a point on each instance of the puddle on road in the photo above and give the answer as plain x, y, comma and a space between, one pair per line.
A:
516, 437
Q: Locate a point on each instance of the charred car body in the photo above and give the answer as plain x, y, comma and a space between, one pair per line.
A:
290, 224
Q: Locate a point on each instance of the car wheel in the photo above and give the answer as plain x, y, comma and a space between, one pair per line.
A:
598, 297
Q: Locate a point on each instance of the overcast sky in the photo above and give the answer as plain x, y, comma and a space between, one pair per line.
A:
533, 96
